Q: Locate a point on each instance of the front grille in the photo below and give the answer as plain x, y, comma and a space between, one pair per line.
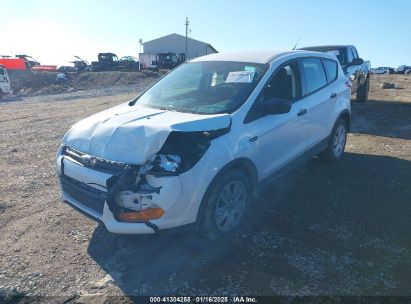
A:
93, 162
84, 194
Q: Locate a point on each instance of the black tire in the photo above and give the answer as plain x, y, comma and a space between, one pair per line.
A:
330, 154
362, 91
208, 226
1, 94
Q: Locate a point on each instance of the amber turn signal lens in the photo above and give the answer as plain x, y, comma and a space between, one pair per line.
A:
141, 216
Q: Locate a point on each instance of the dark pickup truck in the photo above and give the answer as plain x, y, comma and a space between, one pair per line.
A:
110, 62
354, 67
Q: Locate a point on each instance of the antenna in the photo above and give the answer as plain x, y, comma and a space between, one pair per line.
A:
296, 43
187, 24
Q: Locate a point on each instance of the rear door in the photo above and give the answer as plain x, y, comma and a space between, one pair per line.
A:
318, 97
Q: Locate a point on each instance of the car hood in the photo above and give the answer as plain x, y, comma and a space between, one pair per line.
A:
134, 134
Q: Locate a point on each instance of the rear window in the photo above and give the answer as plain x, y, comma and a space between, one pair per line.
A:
314, 75
331, 68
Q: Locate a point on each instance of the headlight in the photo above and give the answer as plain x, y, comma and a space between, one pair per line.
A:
170, 162
182, 151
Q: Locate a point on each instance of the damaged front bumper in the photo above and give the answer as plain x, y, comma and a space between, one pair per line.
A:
108, 219
87, 189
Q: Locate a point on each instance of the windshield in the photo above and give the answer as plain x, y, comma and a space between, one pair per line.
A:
208, 87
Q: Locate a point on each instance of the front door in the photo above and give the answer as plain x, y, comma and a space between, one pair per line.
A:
278, 138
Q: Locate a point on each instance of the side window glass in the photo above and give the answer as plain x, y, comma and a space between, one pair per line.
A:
355, 54
350, 55
332, 69
342, 56
284, 83
314, 75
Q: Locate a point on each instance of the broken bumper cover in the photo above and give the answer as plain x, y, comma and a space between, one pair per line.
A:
108, 219
81, 188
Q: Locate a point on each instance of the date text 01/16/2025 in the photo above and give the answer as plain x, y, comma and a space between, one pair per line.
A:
203, 299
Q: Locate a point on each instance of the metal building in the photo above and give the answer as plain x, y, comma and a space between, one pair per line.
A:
176, 43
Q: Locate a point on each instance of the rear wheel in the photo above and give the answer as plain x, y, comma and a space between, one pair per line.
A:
226, 203
362, 92
1, 94
337, 141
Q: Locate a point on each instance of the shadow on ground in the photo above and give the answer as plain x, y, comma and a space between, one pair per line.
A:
11, 98
382, 118
324, 229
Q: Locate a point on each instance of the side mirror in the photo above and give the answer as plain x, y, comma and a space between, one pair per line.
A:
357, 61
273, 106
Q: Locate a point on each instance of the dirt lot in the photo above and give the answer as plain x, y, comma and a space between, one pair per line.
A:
27, 83
340, 229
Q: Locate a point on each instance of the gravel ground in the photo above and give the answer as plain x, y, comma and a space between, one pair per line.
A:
339, 229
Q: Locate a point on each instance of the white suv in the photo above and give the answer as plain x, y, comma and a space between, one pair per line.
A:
194, 147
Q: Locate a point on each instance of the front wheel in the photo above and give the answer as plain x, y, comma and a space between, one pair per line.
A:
226, 203
337, 141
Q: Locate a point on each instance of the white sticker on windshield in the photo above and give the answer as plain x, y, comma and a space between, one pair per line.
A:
240, 76
334, 52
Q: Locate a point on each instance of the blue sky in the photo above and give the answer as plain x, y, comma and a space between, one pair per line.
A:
53, 31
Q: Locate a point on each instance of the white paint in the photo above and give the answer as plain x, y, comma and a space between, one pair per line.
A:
134, 134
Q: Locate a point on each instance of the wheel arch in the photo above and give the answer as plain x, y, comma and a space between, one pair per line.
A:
243, 164
346, 115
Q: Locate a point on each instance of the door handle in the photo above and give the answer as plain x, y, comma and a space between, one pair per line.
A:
333, 95
302, 112
253, 139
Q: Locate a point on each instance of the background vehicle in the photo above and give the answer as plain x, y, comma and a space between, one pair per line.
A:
382, 70
81, 65
45, 68
402, 69
25, 62
354, 67
161, 60
110, 62
235, 121
4, 82
30, 61
129, 63
11, 63
106, 62
168, 60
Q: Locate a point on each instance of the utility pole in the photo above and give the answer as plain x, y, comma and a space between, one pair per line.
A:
140, 41
186, 24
